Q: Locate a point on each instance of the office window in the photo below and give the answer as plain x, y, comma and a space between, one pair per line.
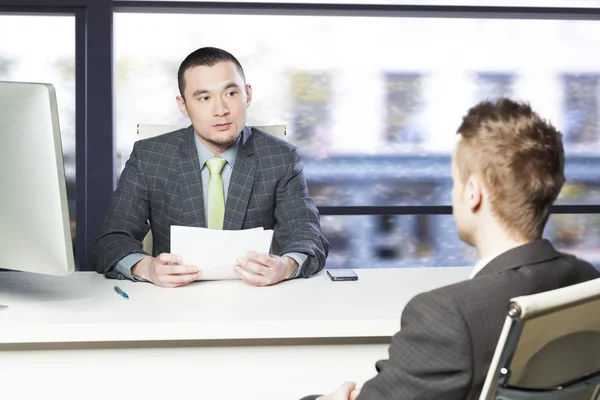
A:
402, 237
6, 65
48, 57
432, 240
403, 241
356, 107
406, 237
341, 239
416, 193
489, 3
581, 135
370, 122
329, 193
574, 192
394, 241
310, 95
577, 234
404, 103
580, 97
491, 86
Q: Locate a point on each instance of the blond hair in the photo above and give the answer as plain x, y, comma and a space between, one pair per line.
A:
520, 158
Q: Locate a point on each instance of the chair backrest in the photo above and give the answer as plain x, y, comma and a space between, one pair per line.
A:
146, 131
549, 347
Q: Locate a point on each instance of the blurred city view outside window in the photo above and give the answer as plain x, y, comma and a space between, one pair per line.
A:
372, 102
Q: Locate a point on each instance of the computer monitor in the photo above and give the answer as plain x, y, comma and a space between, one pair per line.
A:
35, 234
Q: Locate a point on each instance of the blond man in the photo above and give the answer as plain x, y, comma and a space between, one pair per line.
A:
507, 170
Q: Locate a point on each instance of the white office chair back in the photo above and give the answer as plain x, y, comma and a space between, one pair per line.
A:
549, 340
146, 131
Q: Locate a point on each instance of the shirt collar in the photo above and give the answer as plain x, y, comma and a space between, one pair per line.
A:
204, 154
481, 264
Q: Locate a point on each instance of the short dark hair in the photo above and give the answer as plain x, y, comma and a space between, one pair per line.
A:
521, 159
207, 56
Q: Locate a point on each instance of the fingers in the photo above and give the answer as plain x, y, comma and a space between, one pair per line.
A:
261, 264
347, 387
354, 394
166, 258
264, 259
178, 280
170, 264
253, 279
177, 269
168, 271
254, 267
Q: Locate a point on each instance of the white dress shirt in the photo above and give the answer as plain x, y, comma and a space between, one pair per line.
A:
482, 263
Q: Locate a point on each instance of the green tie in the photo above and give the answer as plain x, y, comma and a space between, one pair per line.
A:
216, 196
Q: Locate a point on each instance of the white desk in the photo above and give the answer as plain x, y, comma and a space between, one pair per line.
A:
77, 338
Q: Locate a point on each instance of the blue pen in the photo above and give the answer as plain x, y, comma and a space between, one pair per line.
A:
122, 293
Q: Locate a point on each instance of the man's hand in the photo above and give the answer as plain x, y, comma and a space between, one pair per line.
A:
165, 270
265, 269
347, 391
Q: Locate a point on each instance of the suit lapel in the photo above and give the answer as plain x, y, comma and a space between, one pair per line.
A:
240, 184
190, 181
531, 253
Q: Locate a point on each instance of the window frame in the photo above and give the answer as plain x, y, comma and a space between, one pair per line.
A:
95, 141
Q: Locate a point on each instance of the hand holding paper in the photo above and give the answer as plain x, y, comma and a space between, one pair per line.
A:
265, 269
215, 252
165, 270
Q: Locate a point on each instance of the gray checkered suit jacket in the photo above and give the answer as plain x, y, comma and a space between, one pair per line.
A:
161, 183
448, 336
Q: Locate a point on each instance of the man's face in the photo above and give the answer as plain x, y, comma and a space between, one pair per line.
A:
460, 206
215, 99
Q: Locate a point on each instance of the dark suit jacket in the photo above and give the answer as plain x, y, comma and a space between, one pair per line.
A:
448, 336
161, 182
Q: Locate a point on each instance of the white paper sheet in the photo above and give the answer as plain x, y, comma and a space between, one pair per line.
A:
214, 252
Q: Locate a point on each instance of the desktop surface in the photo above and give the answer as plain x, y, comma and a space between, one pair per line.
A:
84, 307
213, 340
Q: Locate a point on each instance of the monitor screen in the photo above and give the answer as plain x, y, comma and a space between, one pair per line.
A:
35, 234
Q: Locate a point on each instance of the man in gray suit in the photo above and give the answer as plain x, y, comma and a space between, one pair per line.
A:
507, 170
218, 173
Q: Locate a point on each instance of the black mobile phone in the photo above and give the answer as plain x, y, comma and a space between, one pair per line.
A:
342, 275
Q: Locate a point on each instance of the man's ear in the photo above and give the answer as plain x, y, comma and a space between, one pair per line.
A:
474, 193
248, 95
181, 105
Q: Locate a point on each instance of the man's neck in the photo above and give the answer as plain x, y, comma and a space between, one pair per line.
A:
214, 148
217, 150
494, 241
